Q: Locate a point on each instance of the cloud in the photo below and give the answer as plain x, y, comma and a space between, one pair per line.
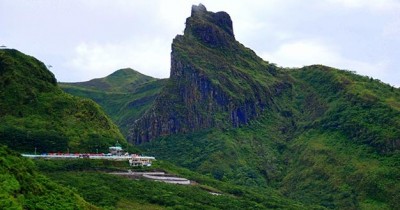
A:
299, 53
102, 59
84, 39
392, 30
308, 52
375, 5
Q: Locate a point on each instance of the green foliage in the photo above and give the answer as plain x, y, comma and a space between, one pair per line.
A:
366, 112
121, 81
329, 140
36, 113
124, 95
49, 166
327, 168
238, 72
110, 191
22, 187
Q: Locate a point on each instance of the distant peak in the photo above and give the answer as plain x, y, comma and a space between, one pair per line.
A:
125, 71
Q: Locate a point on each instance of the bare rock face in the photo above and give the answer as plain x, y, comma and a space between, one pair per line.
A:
214, 81
214, 29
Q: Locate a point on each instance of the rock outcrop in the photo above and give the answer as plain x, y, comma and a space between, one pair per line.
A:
214, 82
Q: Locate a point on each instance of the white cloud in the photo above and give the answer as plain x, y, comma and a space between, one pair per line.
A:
381, 5
84, 39
299, 53
308, 52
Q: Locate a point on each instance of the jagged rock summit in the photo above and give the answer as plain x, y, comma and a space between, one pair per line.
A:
214, 29
214, 82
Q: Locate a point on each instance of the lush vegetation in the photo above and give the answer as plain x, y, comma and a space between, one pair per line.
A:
124, 95
363, 109
331, 139
121, 81
318, 135
324, 167
36, 113
263, 136
22, 187
89, 179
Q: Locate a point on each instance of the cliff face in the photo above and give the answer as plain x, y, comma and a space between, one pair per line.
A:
214, 81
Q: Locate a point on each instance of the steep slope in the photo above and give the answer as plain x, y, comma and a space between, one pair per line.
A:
22, 187
319, 135
206, 86
333, 142
365, 110
124, 95
36, 113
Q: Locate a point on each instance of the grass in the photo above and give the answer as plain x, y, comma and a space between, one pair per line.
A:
114, 192
124, 101
23, 187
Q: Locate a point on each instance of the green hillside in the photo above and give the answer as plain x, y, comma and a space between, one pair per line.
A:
22, 187
124, 95
263, 136
36, 113
123, 80
309, 148
317, 134
109, 191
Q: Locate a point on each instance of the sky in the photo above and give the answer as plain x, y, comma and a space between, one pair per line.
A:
86, 39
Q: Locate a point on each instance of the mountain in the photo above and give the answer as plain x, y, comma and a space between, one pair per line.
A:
124, 95
37, 116
331, 140
22, 187
214, 81
36, 113
123, 80
317, 134
217, 82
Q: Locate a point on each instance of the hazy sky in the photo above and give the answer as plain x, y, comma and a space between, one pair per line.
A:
85, 39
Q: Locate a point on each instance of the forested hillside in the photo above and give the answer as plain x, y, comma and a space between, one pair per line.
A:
22, 187
124, 95
36, 113
264, 136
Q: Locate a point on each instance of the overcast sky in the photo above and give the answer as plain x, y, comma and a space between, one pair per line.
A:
85, 39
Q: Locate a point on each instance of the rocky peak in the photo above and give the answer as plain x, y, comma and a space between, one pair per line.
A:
214, 81
213, 29
198, 10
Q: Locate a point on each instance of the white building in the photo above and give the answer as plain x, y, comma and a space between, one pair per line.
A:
116, 150
137, 160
